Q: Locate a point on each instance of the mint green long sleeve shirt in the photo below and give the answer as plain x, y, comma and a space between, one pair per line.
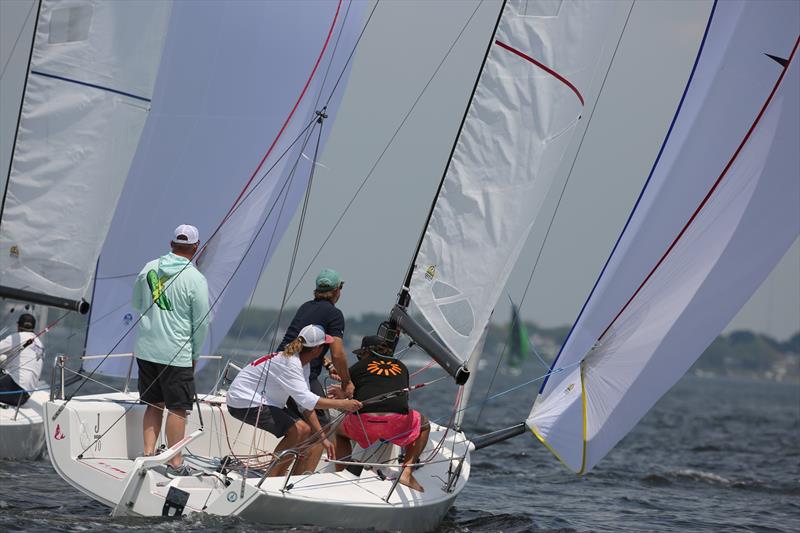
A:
172, 296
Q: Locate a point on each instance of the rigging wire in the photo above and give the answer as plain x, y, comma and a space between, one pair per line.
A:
558, 204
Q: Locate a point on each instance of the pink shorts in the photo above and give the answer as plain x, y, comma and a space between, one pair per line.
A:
369, 428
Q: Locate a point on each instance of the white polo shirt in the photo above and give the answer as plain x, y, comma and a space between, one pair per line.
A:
270, 381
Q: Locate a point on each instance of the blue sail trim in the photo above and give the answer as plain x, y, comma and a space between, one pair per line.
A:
641, 194
92, 85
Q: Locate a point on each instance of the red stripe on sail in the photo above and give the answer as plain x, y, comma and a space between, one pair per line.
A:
713, 187
284, 126
547, 69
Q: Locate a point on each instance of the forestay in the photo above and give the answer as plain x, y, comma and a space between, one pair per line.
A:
89, 86
717, 213
524, 115
227, 94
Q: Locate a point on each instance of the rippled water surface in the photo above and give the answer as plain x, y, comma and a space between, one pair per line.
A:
713, 455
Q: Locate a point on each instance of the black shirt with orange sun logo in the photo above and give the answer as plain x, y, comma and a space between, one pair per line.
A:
375, 375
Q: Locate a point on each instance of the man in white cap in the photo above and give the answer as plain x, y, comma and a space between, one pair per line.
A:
172, 296
21, 361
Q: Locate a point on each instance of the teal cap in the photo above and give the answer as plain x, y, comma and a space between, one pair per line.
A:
328, 280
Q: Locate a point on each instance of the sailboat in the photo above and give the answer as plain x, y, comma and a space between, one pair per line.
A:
723, 186
519, 344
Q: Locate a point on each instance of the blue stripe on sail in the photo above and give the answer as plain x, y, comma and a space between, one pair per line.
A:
92, 85
636, 205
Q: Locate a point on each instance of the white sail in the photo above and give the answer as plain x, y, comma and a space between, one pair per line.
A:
718, 211
88, 92
221, 104
526, 110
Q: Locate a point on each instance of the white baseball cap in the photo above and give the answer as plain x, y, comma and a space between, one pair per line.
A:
314, 336
186, 234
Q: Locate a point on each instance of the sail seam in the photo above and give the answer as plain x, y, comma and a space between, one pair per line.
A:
711, 191
91, 85
544, 67
641, 193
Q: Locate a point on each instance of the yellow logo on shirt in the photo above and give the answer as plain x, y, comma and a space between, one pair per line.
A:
384, 368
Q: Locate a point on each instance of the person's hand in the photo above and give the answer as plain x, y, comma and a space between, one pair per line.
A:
333, 373
329, 448
335, 391
349, 389
350, 405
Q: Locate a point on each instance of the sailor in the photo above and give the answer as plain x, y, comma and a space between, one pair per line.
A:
172, 296
258, 395
323, 312
381, 383
21, 360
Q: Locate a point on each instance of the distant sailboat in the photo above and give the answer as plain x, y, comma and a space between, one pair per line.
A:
519, 344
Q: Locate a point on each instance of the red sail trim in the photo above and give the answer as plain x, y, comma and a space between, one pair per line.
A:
547, 69
285, 123
711, 191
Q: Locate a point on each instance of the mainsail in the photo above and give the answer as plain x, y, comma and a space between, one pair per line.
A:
229, 103
87, 97
527, 107
718, 211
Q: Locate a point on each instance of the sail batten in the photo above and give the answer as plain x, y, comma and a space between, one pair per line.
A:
717, 214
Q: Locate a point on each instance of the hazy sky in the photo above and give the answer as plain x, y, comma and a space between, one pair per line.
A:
402, 46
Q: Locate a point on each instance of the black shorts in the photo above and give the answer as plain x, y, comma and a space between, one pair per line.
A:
273, 419
172, 385
11, 393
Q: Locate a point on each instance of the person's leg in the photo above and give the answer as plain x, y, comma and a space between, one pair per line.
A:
344, 448
13, 395
297, 433
413, 453
152, 427
176, 430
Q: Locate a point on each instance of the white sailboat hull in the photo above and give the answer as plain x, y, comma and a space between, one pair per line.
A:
113, 474
22, 433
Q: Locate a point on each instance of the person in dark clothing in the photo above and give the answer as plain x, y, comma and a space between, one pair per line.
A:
381, 384
322, 312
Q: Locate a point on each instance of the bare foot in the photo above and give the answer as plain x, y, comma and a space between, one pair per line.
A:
407, 479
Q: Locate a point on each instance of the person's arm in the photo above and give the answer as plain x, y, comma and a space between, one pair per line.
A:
200, 317
313, 421
339, 358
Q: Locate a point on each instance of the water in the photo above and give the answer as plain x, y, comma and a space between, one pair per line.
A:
713, 455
